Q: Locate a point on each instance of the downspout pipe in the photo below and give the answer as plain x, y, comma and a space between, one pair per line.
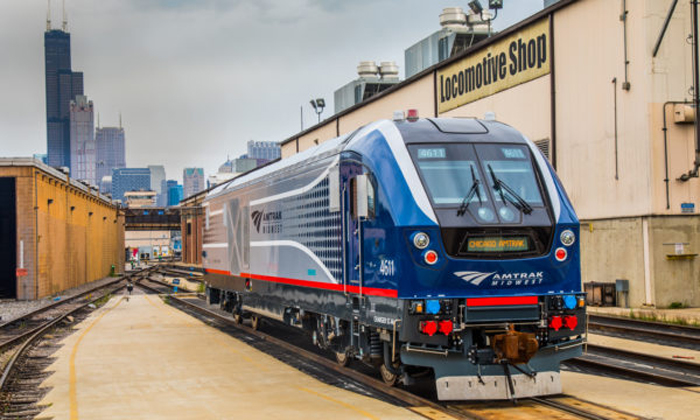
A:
665, 130
693, 173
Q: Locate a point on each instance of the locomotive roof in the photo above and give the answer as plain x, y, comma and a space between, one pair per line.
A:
421, 131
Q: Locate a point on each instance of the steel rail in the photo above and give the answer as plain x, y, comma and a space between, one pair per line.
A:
633, 327
181, 273
411, 400
571, 409
36, 333
14, 340
681, 371
58, 303
611, 366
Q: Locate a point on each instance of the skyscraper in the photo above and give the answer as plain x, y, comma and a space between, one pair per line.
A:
62, 86
129, 179
111, 151
174, 192
193, 181
263, 151
157, 178
82, 140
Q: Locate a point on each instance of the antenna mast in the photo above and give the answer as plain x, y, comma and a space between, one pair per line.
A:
120, 120
65, 22
48, 17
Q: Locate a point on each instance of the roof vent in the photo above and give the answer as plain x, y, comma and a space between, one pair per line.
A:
388, 70
453, 17
367, 69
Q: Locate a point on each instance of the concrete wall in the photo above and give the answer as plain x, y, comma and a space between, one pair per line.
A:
643, 251
677, 277
70, 236
613, 249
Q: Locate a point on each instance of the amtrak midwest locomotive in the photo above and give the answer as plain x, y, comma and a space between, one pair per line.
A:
443, 245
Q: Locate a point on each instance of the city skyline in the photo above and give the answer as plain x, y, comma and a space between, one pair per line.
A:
190, 100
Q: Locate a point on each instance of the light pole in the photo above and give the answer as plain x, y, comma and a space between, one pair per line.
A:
318, 105
478, 9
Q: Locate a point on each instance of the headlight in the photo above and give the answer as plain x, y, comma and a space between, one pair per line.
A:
567, 237
421, 240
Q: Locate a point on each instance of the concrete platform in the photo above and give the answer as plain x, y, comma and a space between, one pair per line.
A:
650, 401
689, 316
142, 359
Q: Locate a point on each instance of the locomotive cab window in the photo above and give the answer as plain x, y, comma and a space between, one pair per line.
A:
496, 183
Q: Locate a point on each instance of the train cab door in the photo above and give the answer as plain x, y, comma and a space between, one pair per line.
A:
355, 212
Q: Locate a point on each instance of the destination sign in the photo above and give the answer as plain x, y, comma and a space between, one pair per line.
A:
498, 244
517, 59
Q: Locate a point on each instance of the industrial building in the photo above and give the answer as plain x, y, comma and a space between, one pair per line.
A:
55, 233
192, 227
605, 89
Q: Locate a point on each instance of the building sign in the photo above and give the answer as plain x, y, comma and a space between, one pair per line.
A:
517, 59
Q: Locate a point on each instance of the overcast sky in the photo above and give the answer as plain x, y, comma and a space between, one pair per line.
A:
196, 79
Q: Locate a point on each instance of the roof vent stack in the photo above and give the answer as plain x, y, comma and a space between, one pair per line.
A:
388, 70
367, 69
453, 17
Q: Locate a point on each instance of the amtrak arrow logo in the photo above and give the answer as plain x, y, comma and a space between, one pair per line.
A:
474, 277
257, 218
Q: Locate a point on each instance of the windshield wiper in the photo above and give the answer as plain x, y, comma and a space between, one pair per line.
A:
468, 198
511, 196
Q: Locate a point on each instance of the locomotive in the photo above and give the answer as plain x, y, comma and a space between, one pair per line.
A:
443, 246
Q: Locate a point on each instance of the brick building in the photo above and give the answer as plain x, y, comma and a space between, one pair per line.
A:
55, 233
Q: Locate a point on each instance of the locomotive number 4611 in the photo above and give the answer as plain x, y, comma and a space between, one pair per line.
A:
387, 268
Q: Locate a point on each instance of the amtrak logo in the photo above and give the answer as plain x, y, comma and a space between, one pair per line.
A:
475, 278
257, 218
269, 222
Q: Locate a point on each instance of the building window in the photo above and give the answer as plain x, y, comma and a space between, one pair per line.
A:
443, 54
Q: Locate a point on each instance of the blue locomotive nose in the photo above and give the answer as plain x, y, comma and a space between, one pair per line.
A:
570, 302
432, 307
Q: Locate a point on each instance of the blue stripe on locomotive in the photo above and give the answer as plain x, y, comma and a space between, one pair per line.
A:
387, 239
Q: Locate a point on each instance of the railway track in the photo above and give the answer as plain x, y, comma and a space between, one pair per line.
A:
669, 334
639, 366
560, 407
16, 330
25, 354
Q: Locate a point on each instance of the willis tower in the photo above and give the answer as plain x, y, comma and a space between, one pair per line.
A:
62, 86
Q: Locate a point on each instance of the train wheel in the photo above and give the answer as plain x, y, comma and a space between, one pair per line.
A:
342, 358
388, 377
255, 322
